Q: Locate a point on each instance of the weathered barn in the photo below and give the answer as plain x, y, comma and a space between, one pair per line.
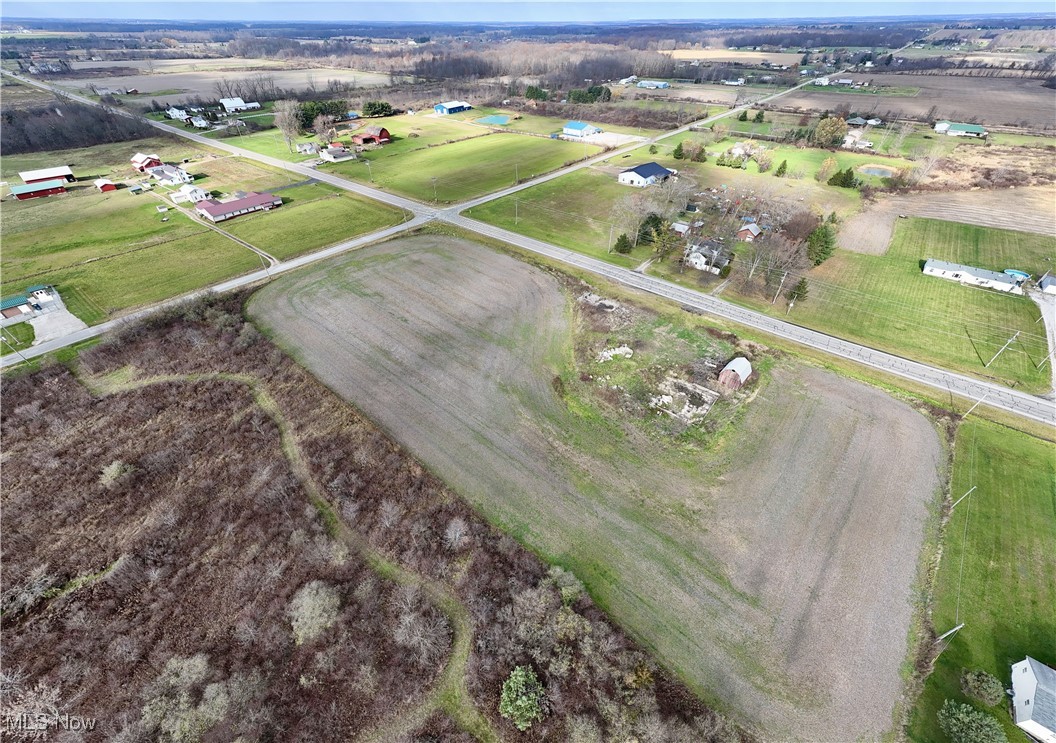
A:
735, 373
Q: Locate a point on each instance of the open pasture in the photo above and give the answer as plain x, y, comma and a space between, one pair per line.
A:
1002, 534
110, 252
995, 101
312, 216
886, 302
18, 95
102, 161
454, 349
463, 169
736, 55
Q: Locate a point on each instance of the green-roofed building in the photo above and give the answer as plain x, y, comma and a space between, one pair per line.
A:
15, 306
35, 190
955, 129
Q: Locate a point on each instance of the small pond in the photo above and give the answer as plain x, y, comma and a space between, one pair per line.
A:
495, 120
881, 171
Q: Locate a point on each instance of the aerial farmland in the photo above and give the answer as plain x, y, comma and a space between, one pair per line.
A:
551, 378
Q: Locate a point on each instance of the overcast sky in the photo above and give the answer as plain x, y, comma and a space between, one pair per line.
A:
500, 10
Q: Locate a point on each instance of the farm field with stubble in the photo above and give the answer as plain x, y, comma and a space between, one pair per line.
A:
467, 356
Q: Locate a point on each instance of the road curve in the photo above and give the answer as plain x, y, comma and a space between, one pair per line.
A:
997, 396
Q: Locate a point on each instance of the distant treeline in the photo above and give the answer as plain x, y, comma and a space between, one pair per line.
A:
65, 126
864, 36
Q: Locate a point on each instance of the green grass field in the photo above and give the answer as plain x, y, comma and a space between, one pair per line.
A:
111, 252
16, 338
532, 124
1005, 534
463, 169
573, 211
312, 217
888, 303
102, 161
268, 142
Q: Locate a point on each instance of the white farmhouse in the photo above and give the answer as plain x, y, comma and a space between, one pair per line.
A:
177, 113
973, 276
188, 192
1034, 699
170, 175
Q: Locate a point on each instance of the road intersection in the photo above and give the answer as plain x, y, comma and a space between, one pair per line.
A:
951, 383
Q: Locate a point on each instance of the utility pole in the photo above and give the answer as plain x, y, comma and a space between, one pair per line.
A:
963, 497
370, 173
792, 303
611, 225
1007, 344
516, 210
19, 353
516, 174
977, 404
434, 189
778, 292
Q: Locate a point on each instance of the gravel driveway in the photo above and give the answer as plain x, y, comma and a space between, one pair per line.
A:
55, 324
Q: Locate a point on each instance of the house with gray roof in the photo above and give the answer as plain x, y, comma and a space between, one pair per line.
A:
1002, 282
1034, 699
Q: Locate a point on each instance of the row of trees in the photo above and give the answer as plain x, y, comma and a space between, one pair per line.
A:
66, 125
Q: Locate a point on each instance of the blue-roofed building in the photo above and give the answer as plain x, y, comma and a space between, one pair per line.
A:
644, 175
579, 129
451, 107
352, 115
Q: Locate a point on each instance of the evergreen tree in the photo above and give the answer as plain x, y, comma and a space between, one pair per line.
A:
743, 116
821, 244
758, 117
678, 154
781, 169
623, 244
798, 293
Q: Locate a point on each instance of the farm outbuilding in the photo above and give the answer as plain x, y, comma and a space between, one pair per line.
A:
653, 84
335, 153
955, 129
234, 105
1002, 282
141, 162
451, 107
1034, 699
579, 129
1047, 284
644, 175
372, 135
217, 211
105, 184
735, 373
36, 190
749, 232
15, 306
62, 172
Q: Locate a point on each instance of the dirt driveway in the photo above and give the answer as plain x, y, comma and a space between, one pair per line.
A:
1022, 209
775, 574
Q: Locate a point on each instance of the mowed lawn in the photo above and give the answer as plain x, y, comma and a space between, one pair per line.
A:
886, 302
1008, 586
573, 211
111, 252
464, 169
16, 338
313, 217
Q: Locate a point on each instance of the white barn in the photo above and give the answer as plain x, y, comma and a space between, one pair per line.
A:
973, 276
1034, 699
234, 105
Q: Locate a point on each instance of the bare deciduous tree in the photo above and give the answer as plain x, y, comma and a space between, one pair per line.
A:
288, 120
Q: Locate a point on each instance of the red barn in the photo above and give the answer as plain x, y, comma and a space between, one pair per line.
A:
36, 190
372, 135
141, 162
104, 184
62, 172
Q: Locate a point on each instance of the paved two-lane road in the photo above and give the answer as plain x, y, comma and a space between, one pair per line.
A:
997, 396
